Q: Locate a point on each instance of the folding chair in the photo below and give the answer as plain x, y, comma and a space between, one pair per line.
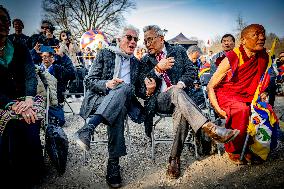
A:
96, 141
68, 104
157, 140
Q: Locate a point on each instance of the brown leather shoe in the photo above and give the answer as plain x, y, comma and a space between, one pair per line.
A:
174, 167
220, 134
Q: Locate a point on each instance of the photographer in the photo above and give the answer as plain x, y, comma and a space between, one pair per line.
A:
69, 46
45, 37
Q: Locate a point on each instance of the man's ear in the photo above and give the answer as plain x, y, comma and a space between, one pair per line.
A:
243, 41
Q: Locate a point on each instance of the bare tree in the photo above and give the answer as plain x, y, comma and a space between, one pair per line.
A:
79, 16
241, 24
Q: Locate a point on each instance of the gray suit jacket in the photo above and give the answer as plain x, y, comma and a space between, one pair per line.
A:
101, 71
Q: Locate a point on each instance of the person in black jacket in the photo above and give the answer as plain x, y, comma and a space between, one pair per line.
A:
45, 37
166, 72
197, 94
20, 146
18, 36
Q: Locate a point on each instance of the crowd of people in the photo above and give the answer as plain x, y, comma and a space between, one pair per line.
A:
167, 78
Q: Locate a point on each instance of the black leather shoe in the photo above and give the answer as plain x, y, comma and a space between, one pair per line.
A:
113, 177
83, 137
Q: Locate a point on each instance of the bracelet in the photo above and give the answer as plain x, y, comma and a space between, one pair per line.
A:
9, 104
29, 97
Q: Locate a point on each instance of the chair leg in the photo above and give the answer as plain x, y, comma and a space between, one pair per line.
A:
72, 111
85, 157
195, 146
128, 136
153, 144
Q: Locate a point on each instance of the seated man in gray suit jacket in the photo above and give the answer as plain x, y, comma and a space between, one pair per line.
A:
111, 88
167, 71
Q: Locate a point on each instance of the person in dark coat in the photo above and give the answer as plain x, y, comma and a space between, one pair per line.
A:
77, 85
197, 94
18, 36
45, 37
166, 72
20, 147
111, 94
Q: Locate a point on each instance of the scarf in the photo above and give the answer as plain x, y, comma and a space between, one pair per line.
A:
8, 54
119, 56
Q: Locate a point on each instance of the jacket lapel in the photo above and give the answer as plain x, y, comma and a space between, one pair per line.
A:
132, 69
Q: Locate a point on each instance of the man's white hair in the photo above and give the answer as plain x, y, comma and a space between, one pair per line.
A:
193, 48
155, 28
129, 27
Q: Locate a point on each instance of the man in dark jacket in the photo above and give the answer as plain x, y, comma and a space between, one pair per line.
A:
45, 37
111, 87
197, 94
166, 72
18, 36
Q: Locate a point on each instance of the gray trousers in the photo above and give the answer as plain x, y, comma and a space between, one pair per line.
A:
114, 110
186, 114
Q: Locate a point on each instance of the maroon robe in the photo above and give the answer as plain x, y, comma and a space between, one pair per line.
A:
235, 92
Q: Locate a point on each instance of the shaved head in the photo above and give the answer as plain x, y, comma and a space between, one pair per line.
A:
251, 27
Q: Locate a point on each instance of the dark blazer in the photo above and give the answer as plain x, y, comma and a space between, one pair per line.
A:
19, 79
182, 70
101, 71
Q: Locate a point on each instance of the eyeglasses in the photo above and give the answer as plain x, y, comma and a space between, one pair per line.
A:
149, 40
130, 37
46, 57
44, 27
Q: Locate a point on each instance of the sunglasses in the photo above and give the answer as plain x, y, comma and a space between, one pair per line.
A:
130, 37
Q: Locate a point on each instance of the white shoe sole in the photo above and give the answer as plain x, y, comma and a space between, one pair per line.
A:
80, 143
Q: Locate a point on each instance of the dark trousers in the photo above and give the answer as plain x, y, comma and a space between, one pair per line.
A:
114, 110
21, 158
186, 113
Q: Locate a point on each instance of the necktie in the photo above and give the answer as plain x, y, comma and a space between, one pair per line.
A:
165, 76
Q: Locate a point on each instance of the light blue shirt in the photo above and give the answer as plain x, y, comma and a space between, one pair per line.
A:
124, 72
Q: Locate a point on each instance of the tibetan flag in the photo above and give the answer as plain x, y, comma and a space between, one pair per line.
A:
203, 69
281, 70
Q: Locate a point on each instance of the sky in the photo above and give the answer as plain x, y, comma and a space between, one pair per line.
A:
203, 19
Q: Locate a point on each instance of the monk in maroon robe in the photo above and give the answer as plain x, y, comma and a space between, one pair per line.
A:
232, 87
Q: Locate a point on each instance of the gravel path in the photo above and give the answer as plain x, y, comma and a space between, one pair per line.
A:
138, 171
